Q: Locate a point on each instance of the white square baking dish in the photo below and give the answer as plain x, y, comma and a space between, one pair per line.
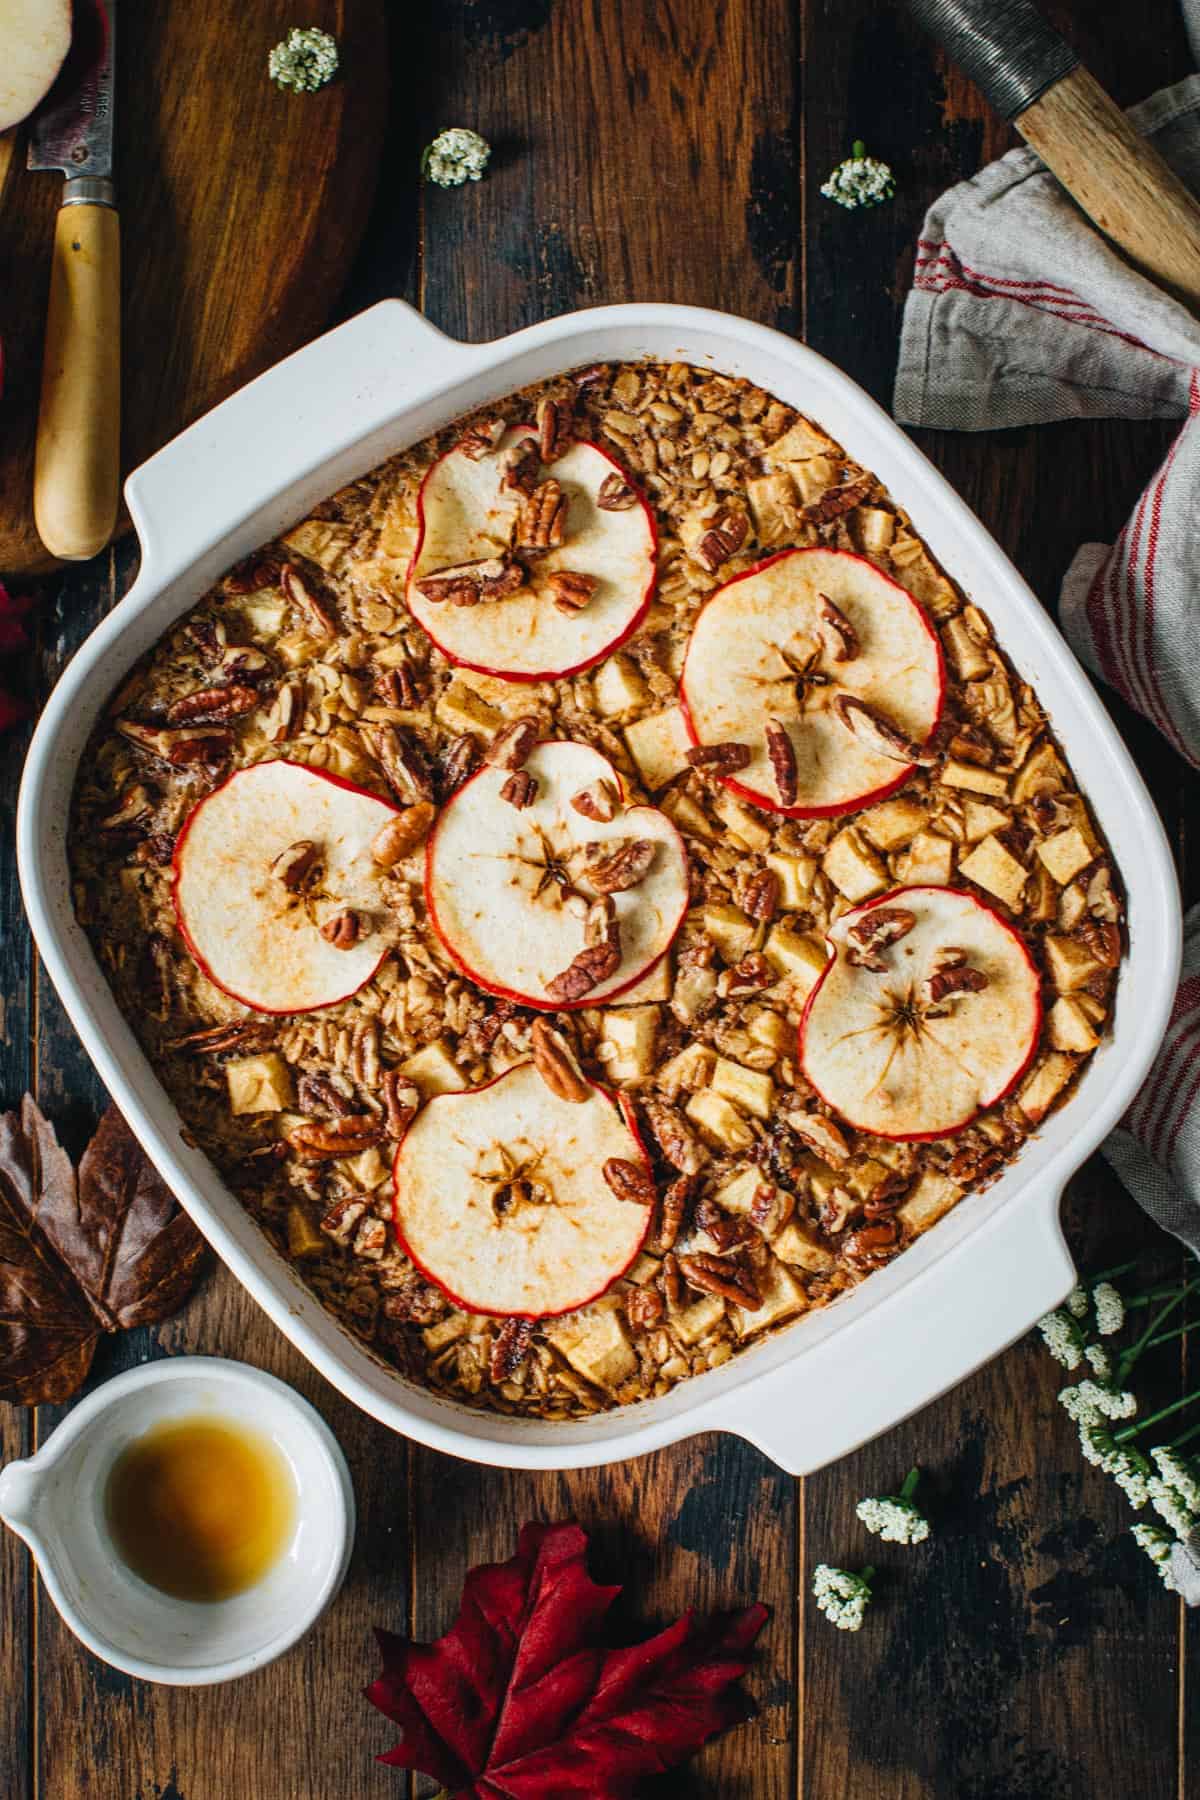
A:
254, 465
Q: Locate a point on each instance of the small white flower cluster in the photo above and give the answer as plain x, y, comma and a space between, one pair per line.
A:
1128, 1468
1062, 1337
1090, 1401
1174, 1491
305, 60
1157, 1544
860, 181
456, 156
1077, 1301
842, 1596
1110, 1308
895, 1520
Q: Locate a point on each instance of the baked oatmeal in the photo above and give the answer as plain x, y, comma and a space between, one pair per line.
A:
652, 896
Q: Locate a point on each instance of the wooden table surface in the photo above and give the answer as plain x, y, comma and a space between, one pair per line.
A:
666, 150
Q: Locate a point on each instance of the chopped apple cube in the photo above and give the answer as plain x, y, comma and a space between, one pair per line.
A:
1049, 1078
1042, 772
853, 866
772, 1029
655, 985
1066, 853
731, 930
321, 541
1069, 962
1069, 1027
644, 1271
693, 991
797, 956
446, 1331
753, 1091
969, 658
683, 811
796, 876
993, 867
772, 501
263, 612
865, 1177
797, 444
367, 1170
658, 745
893, 823
596, 1346
781, 1296
304, 1238
737, 1194
796, 1245
718, 1121
434, 1070
697, 1320
975, 779
630, 1032
743, 825
618, 686
259, 1084
928, 861
462, 709
980, 820
932, 1195
691, 1069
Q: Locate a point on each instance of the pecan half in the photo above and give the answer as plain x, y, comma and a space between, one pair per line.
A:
520, 790
401, 1101
749, 976
725, 1231
952, 974
719, 759
876, 733
677, 1141
672, 1280
470, 583
341, 1221
715, 1275
341, 930
211, 706
596, 801
571, 589
1102, 939
871, 934
782, 755
760, 894
252, 573
837, 633
481, 438
297, 590
542, 523
771, 1208
521, 466
616, 494
321, 1094
836, 501
870, 1244
321, 1140
182, 746
459, 759
818, 1133
644, 1308
629, 1180
134, 807
415, 1303
724, 535
553, 420
594, 964
402, 761
398, 686
510, 1347
297, 866
402, 834
614, 871
239, 1034
513, 744
156, 848
672, 1212
555, 1064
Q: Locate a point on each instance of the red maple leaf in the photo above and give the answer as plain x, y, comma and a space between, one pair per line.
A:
519, 1702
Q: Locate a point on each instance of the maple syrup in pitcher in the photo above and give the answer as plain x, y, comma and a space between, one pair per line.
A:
200, 1508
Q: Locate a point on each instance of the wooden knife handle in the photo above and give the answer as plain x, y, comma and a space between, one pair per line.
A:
77, 465
1119, 179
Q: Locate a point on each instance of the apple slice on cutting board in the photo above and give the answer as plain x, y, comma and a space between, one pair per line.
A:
35, 36
508, 888
251, 913
466, 514
501, 1199
928, 1011
836, 659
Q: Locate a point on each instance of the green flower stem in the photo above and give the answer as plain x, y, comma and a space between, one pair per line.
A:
1131, 1431
1185, 1437
910, 1485
1124, 1268
1165, 1337
867, 1574
858, 148
1156, 1293
1135, 1350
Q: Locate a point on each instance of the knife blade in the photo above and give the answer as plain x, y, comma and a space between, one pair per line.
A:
76, 480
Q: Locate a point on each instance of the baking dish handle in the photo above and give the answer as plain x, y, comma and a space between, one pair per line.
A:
287, 426
912, 1347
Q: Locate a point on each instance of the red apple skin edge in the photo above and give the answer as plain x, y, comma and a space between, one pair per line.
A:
459, 662
764, 801
530, 1000
626, 1111
927, 1137
275, 1012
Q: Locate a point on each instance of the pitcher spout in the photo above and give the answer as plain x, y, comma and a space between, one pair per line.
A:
20, 1484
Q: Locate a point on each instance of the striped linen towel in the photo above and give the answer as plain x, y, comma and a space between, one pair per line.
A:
1022, 313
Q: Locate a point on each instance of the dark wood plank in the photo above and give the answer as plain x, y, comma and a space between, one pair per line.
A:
643, 152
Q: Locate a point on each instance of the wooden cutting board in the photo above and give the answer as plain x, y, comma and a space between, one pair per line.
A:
241, 206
